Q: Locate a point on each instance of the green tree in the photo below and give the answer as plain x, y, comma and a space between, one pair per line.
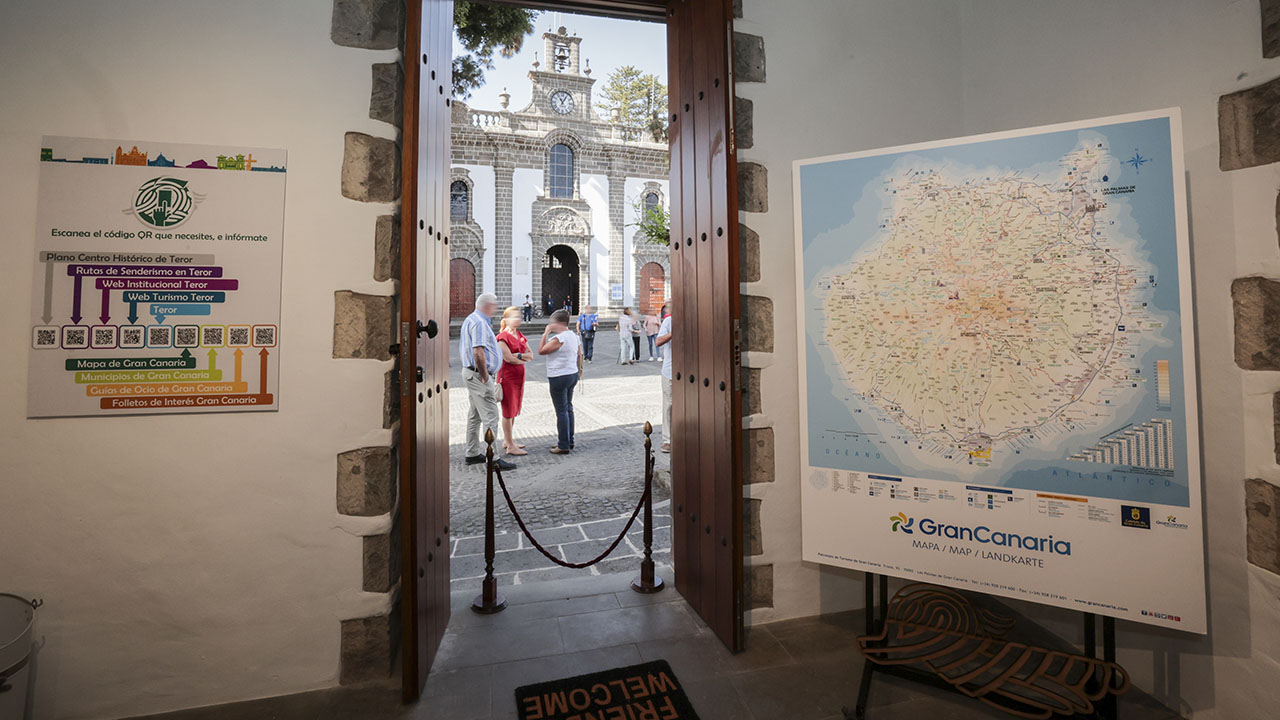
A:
655, 223
639, 97
484, 30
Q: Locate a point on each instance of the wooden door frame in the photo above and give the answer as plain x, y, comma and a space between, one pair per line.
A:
729, 450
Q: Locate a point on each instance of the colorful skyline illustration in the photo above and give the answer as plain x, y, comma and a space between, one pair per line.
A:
139, 158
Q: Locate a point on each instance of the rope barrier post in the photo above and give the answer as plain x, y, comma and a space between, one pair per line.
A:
489, 601
648, 582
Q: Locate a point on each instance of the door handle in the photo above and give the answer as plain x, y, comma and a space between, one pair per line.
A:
431, 328
419, 374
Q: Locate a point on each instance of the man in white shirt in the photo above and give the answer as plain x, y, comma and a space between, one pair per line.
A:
478, 351
664, 337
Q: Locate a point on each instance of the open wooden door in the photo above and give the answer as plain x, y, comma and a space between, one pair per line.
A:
424, 337
706, 410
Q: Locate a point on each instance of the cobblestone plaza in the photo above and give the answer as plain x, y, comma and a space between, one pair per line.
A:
577, 504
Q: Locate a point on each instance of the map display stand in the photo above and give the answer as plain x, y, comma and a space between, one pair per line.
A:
938, 637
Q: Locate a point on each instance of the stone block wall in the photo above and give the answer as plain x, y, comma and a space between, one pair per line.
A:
1249, 135
756, 323
364, 330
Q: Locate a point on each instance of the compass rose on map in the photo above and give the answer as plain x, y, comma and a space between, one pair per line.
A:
1137, 161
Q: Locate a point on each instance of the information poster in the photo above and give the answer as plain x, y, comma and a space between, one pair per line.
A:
157, 278
997, 367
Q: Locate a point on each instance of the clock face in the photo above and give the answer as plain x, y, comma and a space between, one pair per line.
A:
562, 102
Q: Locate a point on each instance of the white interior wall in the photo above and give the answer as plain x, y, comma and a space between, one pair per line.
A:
1035, 63
841, 76
846, 77
180, 572
526, 187
595, 190
484, 205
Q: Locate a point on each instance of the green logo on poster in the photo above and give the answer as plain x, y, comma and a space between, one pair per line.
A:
164, 202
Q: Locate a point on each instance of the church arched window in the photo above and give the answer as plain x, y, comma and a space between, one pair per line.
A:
459, 201
650, 203
560, 162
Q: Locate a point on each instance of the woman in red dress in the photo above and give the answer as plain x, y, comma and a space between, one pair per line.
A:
515, 353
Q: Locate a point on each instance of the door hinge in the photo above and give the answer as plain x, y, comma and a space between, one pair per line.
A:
737, 355
406, 377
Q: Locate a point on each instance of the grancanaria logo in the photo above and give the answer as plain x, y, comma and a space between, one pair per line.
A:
164, 202
902, 522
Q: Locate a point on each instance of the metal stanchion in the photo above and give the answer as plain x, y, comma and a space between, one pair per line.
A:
648, 582
489, 601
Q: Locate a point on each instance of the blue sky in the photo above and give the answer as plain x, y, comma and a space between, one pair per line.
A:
606, 42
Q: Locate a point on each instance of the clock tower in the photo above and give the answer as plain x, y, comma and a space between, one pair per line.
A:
561, 87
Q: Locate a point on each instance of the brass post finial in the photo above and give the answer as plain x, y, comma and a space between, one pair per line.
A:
648, 428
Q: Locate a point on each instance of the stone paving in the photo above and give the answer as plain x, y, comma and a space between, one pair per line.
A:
575, 504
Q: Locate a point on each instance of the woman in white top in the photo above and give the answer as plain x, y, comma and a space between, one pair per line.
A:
626, 326
563, 351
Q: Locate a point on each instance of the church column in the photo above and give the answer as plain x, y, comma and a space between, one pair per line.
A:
617, 228
502, 268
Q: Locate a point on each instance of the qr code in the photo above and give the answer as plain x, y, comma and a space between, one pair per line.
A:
238, 336
75, 337
131, 337
264, 336
44, 337
211, 335
186, 336
104, 337
159, 336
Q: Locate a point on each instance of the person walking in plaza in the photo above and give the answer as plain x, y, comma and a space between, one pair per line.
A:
662, 341
515, 353
478, 350
637, 329
651, 325
563, 350
528, 308
625, 324
587, 322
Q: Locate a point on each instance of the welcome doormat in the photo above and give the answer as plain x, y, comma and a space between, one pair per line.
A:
648, 691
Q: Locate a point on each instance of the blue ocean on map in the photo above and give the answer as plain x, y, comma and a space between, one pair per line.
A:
842, 212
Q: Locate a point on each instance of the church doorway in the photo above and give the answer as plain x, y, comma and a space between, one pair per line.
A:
653, 282
560, 278
575, 207
462, 287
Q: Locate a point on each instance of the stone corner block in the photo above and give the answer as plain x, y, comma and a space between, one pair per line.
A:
362, 325
758, 452
390, 400
367, 24
744, 123
753, 187
748, 254
1270, 28
370, 168
1255, 304
367, 481
368, 647
752, 540
382, 560
1262, 514
1249, 126
386, 248
751, 391
386, 101
748, 58
757, 323
758, 582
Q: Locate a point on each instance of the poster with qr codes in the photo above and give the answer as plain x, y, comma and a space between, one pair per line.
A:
157, 279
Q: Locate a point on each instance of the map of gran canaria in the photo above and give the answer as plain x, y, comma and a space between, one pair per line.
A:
1005, 310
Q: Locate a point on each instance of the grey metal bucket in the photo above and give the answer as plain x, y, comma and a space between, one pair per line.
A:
17, 620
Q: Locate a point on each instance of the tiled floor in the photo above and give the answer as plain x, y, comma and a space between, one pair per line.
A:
805, 669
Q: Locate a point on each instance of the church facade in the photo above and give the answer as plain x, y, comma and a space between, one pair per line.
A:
544, 200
